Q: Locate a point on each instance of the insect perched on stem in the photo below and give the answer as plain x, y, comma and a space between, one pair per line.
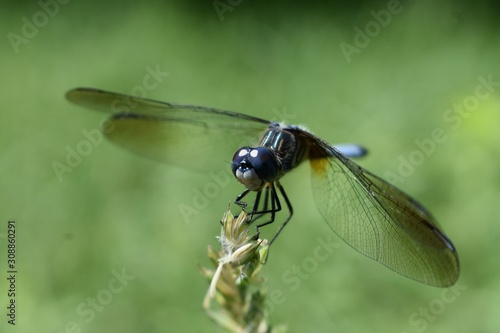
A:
369, 214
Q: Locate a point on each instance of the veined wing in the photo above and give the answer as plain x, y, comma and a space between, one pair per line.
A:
199, 138
379, 220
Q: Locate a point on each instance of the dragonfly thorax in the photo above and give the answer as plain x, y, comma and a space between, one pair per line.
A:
254, 167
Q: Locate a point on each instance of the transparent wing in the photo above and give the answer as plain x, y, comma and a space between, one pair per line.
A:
196, 137
379, 220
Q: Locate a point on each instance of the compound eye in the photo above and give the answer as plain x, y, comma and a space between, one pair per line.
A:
264, 163
239, 157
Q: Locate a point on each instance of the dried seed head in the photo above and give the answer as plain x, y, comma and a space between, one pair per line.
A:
236, 294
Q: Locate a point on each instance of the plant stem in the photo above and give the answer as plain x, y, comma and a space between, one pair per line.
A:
236, 297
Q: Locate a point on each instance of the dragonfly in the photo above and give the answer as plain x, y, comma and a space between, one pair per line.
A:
372, 216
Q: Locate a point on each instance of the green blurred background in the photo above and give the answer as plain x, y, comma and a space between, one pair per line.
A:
117, 211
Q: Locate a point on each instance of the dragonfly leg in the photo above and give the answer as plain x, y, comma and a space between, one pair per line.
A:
238, 201
275, 205
270, 196
290, 210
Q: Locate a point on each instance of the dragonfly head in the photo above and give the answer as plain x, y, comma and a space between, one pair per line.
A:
254, 167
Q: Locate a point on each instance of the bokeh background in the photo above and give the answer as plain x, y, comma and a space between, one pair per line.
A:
114, 211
